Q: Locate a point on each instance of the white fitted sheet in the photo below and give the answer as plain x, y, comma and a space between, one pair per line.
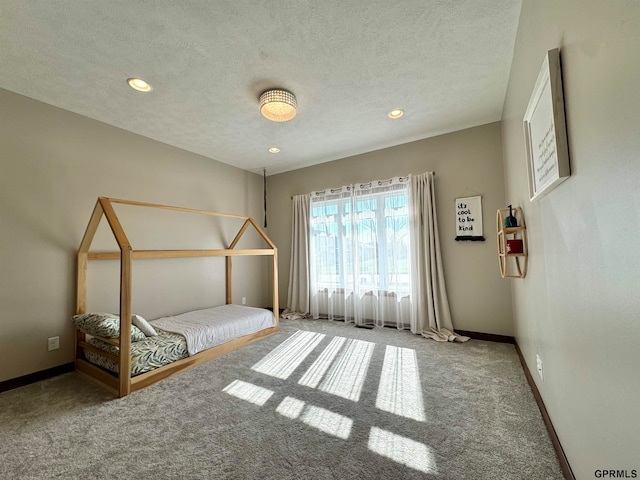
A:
207, 328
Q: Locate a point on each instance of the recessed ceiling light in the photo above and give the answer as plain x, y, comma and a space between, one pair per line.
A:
139, 84
274, 150
397, 113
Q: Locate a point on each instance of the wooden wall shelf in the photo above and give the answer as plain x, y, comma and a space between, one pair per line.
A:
512, 261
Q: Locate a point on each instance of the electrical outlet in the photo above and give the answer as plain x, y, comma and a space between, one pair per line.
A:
53, 343
539, 365
244, 300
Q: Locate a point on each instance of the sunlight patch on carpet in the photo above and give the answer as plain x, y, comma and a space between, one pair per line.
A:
399, 390
286, 357
290, 407
249, 392
314, 374
320, 418
342, 366
402, 450
327, 421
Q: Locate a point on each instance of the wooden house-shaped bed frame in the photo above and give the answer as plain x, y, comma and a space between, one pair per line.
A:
123, 383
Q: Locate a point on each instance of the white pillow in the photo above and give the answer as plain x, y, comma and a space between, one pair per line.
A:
143, 325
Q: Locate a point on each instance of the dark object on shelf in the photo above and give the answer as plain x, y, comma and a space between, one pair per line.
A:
514, 246
510, 221
469, 238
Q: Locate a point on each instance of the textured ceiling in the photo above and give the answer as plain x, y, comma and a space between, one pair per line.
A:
446, 63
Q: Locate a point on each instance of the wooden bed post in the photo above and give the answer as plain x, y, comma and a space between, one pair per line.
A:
82, 268
81, 286
124, 378
229, 293
81, 296
83, 257
229, 270
276, 306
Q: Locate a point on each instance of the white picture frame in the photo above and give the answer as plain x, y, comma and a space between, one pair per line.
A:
545, 131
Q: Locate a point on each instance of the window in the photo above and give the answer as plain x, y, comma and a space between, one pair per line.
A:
360, 242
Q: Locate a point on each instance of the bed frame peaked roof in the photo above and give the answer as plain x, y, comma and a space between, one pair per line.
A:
126, 255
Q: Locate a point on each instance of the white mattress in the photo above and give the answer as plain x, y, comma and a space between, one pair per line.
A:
207, 328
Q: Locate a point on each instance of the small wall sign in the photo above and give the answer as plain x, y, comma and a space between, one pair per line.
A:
469, 219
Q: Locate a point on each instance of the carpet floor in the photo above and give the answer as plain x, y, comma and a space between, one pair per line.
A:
317, 400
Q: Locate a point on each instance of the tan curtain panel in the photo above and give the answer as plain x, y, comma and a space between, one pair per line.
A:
298, 293
431, 316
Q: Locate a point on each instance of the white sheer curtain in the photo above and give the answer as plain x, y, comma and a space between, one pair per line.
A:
370, 254
360, 270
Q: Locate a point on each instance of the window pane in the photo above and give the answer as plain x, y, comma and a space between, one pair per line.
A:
368, 246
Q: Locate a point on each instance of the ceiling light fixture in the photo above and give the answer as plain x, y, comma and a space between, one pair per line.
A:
274, 150
139, 84
397, 113
278, 105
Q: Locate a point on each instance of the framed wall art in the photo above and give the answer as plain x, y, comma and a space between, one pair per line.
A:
545, 130
469, 219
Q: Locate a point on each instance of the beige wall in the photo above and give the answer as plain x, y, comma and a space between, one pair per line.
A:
578, 307
465, 162
53, 166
